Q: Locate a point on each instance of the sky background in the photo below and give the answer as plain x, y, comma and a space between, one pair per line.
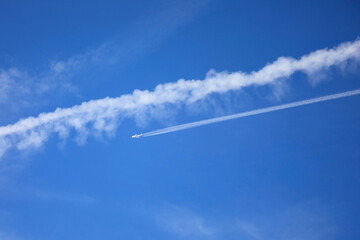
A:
291, 174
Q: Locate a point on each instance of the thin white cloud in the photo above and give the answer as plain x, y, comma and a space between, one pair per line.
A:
250, 229
13, 82
103, 115
62, 197
21, 89
307, 220
6, 82
5, 235
142, 34
183, 222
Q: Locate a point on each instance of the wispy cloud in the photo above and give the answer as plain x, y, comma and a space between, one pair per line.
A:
103, 116
307, 220
142, 34
62, 197
183, 222
20, 88
250, 229
12, 190
5, 235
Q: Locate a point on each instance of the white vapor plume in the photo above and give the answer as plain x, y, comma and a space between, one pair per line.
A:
249, 113
103, 116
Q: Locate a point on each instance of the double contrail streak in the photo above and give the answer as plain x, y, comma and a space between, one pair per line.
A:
249, 113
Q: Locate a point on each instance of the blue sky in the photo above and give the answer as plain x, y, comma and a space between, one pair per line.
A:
291, 174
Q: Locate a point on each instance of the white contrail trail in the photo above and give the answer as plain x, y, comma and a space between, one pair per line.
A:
250, 113
103, 116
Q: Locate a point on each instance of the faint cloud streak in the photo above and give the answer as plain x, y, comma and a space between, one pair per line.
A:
21, 89
301, 221
183, 222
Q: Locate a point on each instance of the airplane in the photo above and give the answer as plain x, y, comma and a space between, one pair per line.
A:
137, 135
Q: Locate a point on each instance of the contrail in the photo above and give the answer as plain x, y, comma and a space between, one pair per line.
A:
103, 116
249, 113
